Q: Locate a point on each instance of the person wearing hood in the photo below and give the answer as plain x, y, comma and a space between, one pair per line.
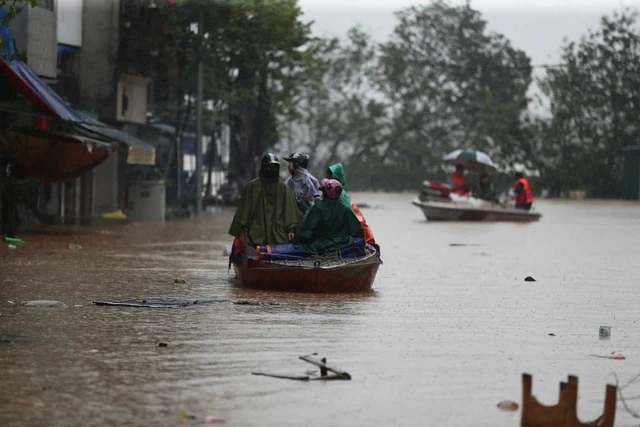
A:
329, 225
485, 189
267, 212
336, 172
302, 183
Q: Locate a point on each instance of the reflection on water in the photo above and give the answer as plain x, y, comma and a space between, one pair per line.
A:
444, 336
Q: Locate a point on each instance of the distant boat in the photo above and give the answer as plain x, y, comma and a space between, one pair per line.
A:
438, 203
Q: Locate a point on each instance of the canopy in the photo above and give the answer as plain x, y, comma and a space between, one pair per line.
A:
49, 103
54, 156
473, 160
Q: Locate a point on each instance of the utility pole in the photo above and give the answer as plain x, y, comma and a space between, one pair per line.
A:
199, 117
179, 158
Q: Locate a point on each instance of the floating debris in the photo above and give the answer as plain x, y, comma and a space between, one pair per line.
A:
179, 281
159, 302
73, 246
604, 332
163, 344
552, 334
212, 419
185, 415
44, 303
247, 302
529, 279
613, 356
338, 374
13, 339
508, 405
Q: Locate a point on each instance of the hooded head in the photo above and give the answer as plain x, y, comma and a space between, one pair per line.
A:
484, 178
331, 188
459, 170
337, 172
270, 167
519, 175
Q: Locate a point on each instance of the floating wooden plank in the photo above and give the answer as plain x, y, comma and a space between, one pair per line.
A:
155, 302
563, 414
322, 364
299, 377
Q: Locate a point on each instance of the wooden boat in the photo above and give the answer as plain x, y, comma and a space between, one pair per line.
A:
329, 274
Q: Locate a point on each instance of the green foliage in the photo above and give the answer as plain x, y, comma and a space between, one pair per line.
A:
252, 52
392, 111
594, 100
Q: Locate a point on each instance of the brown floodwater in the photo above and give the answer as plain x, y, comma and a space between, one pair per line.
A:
444, 336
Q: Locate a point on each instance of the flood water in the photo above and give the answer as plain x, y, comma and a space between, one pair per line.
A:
445, 335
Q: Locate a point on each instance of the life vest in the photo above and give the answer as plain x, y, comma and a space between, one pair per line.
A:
368, 234
461, 183
526, 196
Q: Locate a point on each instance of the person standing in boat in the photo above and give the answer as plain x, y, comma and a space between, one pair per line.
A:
267, 212
329, 225
524, 197
302, 183
458, 181
336, 172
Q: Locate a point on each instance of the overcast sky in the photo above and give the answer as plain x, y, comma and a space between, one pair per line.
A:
535, 26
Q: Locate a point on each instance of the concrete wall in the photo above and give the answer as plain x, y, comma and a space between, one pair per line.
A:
34, 31
100, 41
105, 186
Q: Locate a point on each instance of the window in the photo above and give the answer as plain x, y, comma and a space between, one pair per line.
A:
46, 4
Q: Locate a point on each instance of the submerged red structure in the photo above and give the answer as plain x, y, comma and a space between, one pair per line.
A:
564, 414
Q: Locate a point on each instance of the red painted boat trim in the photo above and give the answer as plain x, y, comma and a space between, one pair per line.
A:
353, 277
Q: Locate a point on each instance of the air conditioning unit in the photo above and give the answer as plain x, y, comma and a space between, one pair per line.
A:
132, 99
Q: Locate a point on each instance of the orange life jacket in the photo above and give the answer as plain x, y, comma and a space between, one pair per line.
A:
368, 234
459, 184
526, 196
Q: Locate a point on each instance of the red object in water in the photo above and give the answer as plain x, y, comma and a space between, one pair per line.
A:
212, 419
332, 276
613, 356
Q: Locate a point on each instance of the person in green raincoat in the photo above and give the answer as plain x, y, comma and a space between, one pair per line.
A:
337, 172
267, 213
329, 225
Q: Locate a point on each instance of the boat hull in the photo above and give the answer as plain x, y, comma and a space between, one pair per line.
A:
451, 212
357, 276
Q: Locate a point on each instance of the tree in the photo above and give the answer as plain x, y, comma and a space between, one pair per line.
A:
262, 51
441, 82
594, 102
338, 114
252, 51
449, 84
